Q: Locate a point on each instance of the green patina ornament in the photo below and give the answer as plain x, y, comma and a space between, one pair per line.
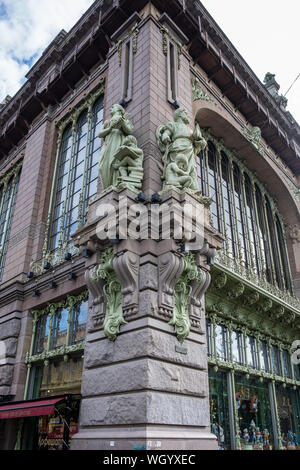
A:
182, 293
199, 93
113, 294
121, 161
179, 144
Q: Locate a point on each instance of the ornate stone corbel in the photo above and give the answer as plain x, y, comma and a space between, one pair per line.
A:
126, 265
107, 287
198, 291
188, 291
170, 267
236, 291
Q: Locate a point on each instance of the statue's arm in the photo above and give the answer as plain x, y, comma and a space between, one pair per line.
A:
198, 141
127, 127
105, 130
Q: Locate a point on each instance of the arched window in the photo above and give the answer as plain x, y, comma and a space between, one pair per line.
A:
245, 215
76, 174
8, 194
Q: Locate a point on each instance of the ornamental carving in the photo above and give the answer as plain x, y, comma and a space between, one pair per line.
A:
199, 93
108, 283
189, 282
294, 233
179, 144
254, 137
121, 161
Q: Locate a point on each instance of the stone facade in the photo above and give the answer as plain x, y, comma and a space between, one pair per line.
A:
145, 387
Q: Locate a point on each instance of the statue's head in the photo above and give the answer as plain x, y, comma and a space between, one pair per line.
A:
117, 108
181, 162
130, 141
181, 113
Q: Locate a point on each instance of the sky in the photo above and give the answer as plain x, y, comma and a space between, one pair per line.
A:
265, 33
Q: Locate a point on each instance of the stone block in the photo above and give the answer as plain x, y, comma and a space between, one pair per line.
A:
144, 374
145, 407
145, 343
10, 329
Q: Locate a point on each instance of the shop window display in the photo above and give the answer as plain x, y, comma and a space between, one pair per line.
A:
219, 408
289, 414
254, 414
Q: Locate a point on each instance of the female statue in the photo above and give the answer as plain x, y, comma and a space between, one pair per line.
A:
113, 132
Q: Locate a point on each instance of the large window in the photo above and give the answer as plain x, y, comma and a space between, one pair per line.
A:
8, 193
246, 215
76, 174
60, 325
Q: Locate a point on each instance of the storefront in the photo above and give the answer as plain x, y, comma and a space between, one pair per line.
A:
254, 389
43, 424
48, 417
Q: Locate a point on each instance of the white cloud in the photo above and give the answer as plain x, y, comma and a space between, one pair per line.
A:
26, 29
266, 34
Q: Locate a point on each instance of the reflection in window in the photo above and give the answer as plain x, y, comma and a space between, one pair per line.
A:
41, 335
77, 174
276, 360
221, 343
209, 338
251, 351
237, 347
78, 322
264, 356
286, 364
59, 328
8, 194
242, 212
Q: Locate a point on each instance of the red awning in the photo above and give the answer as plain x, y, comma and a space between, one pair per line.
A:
27, 409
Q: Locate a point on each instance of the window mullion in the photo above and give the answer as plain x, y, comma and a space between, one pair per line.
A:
8, 213
84, 185
278, 251
47, 230
245, 207
237, 249
257, 225
273, 271
286, 260
66, 204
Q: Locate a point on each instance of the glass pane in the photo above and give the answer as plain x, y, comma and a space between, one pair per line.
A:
59, 329
276, 360
209, 338
264, 356
78, 323
41, 335
221, 342
237, 347
286, 363
254, 414
251, 351
219, 408
288, 411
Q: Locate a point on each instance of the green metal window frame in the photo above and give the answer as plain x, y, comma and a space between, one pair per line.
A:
75, 178
246, 215
8, 193
274, 376
49, 315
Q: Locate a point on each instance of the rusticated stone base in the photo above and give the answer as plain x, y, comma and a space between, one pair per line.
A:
144, 438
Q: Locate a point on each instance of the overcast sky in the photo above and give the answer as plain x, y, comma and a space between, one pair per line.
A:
265, 32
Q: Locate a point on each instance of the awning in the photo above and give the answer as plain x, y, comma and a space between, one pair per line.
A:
27, 409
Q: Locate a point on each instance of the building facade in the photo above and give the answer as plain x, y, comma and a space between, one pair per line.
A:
118, 329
